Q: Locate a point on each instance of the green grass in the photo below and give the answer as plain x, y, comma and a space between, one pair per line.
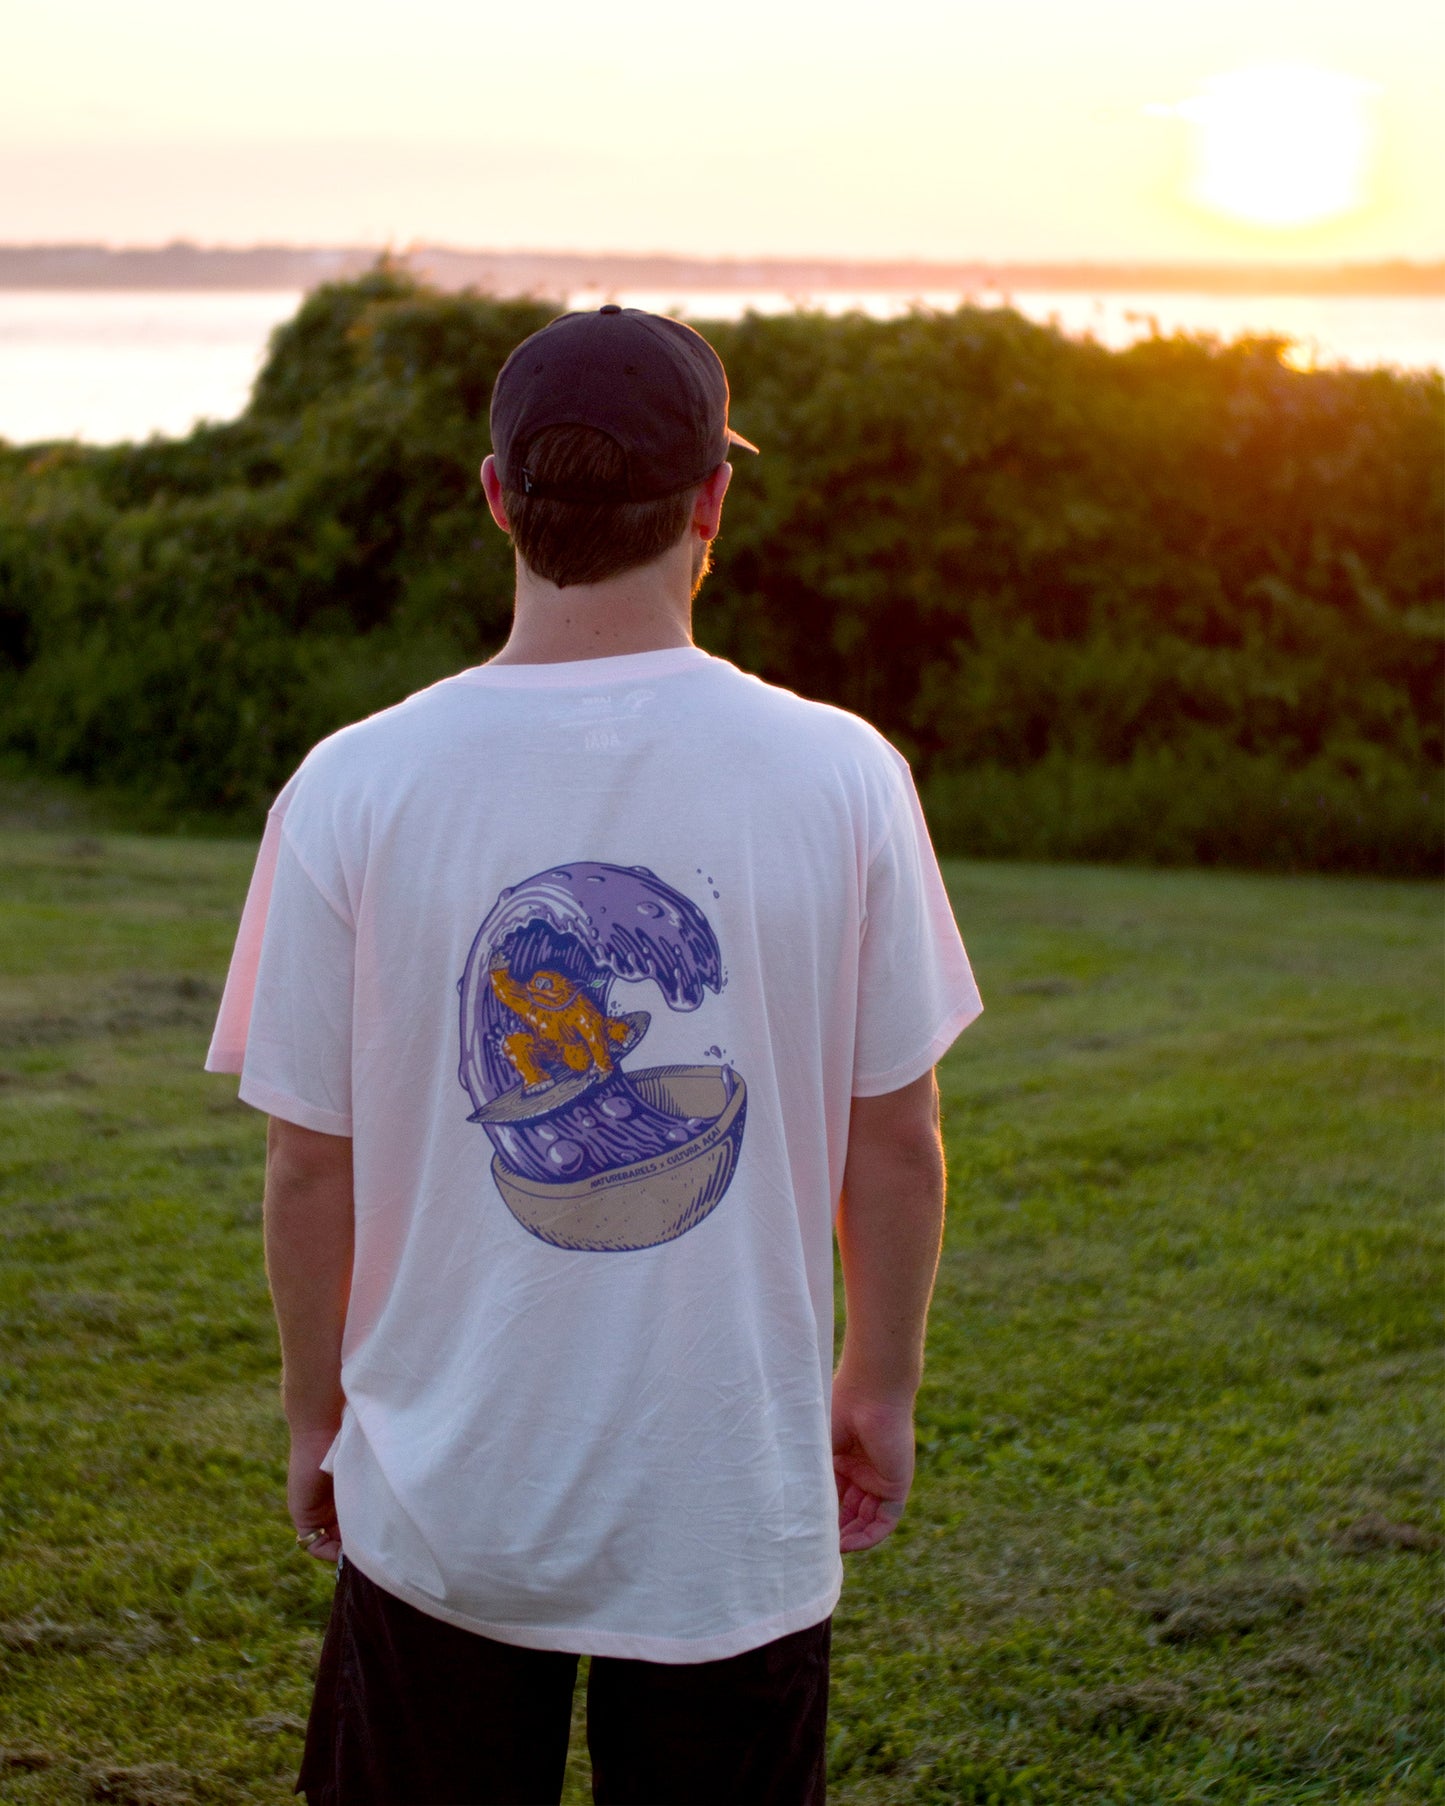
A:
1172, 1533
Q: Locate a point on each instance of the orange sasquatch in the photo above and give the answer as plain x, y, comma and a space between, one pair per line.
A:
564, 1027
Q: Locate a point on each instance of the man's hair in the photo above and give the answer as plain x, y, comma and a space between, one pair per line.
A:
587, 542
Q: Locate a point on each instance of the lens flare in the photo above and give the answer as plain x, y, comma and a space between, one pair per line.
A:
1279, 145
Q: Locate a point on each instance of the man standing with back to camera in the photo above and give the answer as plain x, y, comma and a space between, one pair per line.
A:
588, 992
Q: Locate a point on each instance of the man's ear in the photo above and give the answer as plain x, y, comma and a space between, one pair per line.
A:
492, 484
707, 509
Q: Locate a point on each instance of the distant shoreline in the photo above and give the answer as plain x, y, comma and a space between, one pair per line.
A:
554, 273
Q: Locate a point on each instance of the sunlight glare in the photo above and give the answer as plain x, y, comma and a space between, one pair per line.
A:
1279, 145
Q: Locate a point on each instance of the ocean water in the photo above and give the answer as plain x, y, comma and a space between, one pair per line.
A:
104, 365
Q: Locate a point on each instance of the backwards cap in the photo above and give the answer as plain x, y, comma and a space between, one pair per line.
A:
655, 387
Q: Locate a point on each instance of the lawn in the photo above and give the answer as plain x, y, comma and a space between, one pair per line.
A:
1174, 1536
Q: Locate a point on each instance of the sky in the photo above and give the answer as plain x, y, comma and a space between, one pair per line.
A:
1222, 130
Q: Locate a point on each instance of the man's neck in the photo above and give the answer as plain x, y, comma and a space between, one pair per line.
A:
644, 610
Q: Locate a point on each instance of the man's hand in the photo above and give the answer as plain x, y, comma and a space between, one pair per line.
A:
309, 1497
872, 1464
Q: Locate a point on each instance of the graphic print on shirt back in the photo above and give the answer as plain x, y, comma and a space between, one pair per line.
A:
589, 1154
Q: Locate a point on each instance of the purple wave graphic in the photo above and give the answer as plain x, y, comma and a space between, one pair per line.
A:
596, 924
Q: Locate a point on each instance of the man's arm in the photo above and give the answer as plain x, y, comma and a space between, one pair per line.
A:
890, 1227
309, 1213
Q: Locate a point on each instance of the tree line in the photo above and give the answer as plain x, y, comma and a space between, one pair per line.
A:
1177, 603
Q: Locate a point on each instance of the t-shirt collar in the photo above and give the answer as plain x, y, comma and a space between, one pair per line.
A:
589, 673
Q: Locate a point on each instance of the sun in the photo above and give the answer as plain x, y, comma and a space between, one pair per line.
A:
1280, 144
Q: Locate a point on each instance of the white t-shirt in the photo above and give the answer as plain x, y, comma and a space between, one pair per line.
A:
588, 960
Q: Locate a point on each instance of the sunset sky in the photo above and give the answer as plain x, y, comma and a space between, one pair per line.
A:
1240, 130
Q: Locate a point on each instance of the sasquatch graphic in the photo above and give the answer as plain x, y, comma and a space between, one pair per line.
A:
564, 1027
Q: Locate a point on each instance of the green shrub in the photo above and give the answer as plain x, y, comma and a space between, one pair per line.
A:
1206, 804
1175, 603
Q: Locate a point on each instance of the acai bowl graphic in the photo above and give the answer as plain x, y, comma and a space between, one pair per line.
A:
588, 1153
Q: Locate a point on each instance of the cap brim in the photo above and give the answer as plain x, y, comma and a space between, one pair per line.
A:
738, 443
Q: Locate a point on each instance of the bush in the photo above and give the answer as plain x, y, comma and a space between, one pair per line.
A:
1206, 805
1175, 603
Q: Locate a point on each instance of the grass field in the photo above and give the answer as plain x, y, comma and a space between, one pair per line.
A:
1173, 1537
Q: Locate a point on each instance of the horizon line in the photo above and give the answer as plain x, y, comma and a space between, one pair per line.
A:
184, 264
401, 250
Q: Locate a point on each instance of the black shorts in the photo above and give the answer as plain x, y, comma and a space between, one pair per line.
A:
410, 1711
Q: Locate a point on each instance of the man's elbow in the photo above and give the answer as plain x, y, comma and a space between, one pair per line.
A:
299, 1159
902, 1124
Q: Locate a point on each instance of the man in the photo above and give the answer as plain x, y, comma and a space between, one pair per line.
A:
557, 1338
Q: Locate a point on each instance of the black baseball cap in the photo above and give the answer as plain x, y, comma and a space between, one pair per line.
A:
652, 385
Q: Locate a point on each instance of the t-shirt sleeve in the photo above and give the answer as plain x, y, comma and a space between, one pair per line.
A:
285, 1019
916, 992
